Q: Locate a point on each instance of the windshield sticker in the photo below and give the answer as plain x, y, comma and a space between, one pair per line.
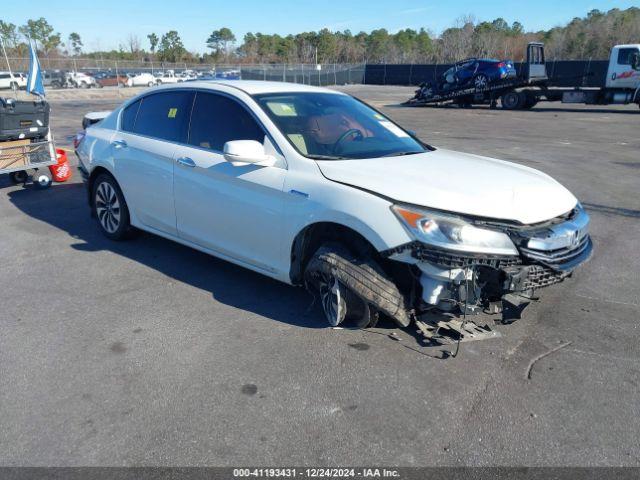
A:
394, 129
172, 112
282, 109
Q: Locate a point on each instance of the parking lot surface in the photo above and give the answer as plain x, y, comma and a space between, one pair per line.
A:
150, 353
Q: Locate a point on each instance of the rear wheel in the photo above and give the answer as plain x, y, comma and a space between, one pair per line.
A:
18, 177
150, 84
353, 288
512, 101
481, 81
110, 208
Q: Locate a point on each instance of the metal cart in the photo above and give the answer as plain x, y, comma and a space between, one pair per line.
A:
19, 158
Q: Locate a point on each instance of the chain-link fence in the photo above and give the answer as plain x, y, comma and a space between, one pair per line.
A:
326, 74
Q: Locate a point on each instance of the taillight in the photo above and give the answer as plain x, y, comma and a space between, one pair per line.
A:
501, 65
78, 138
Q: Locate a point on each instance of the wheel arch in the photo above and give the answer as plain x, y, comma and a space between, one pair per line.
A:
313, 235
95, 173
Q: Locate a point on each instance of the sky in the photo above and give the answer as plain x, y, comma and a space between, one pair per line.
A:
104, 25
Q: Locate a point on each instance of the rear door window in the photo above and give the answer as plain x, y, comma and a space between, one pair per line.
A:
217, 119
129, 116
165, 116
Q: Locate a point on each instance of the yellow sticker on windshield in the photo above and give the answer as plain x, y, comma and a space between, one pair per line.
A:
172, 112
282, 109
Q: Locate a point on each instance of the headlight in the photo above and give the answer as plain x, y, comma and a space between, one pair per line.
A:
453, 233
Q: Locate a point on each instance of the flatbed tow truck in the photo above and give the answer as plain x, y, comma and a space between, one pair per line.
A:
620, 86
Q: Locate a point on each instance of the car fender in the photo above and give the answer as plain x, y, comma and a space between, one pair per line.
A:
316, 199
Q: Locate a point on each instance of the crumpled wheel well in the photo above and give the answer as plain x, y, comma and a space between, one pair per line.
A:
310, 238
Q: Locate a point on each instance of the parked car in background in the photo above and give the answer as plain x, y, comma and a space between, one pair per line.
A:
81, 80
110, 79
12, 80
313, 187
477, 72
187, 75
168, 77
229, 75
54, 79
141, 80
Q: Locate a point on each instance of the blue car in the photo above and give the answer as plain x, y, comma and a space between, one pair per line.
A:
479, 73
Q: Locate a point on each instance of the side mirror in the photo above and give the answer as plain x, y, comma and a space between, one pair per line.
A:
246, 152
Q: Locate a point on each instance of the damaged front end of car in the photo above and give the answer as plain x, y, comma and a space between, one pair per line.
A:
467, 266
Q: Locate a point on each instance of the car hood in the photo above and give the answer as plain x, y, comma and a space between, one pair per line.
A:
458, 182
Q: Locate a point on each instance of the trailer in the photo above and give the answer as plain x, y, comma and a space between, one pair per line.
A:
620, 85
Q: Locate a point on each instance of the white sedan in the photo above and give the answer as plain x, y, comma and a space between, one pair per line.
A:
313, 187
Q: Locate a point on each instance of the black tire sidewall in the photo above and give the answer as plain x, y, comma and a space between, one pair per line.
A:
18, 177
356, 273
511, 106
124, 229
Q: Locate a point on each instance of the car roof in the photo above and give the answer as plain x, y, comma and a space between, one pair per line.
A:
255, 87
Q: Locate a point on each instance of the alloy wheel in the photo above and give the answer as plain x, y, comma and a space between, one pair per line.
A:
107, 207
332, 299
480, 82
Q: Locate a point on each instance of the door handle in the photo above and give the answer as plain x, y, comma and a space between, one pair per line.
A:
119, 144
186, 161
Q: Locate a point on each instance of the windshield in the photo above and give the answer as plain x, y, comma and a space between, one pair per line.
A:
329, 126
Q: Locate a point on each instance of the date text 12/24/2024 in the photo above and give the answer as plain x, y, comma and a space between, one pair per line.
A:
315, 473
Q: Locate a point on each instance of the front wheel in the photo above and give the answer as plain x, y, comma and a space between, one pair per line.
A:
42, 179
353, 288
110, 208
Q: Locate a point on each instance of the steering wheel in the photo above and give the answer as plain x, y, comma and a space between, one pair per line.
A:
351, 132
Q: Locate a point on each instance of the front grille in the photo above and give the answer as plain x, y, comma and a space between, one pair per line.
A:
453, 260
557, 258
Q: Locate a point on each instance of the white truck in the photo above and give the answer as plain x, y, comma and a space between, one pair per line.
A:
168, 77
81, 80
620, 86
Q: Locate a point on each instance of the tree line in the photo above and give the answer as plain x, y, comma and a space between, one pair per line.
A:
586, 37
